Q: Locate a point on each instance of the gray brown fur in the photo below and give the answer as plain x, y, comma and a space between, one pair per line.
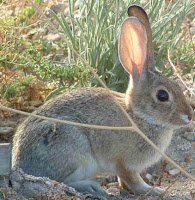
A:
74, 155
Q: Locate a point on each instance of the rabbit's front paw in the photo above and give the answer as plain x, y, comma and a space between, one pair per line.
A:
132, 181
149, 190
156, 191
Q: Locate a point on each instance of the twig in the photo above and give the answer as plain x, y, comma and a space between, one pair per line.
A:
173, 66
145, 195
66, 121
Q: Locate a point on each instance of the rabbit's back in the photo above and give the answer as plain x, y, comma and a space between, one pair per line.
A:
45, 148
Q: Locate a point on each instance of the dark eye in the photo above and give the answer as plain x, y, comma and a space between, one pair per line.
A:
162, 95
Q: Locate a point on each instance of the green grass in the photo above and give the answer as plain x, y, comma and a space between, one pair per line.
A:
95, 33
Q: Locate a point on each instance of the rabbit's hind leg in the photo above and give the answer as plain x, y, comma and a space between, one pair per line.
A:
80, 178
87, 186
132, 180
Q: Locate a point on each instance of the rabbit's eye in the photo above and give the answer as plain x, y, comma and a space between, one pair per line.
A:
162, 95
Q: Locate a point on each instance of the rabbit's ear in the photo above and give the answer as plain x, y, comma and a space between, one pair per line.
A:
133, 47
139, 12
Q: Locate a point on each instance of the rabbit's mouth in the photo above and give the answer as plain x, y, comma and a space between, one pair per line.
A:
181, 121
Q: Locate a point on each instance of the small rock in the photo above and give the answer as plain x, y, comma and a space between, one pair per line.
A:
9, 13
35, 33
174, 172
192, 30
58, 8
53, 37
113, 191
189, 136
4, 130
192, 24
149, 176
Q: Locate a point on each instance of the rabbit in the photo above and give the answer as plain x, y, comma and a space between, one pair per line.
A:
75, 155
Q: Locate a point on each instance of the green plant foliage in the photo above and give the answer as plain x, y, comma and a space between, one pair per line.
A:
185, 55
24, 60
94, 33
39, 2
9, 21
26, 13
74, 76
15, 87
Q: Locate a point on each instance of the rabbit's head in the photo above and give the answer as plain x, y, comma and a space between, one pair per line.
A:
151, 95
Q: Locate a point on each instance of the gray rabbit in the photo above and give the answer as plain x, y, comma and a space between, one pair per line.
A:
74, 155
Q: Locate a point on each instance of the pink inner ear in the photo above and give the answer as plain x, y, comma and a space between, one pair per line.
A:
133, 44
